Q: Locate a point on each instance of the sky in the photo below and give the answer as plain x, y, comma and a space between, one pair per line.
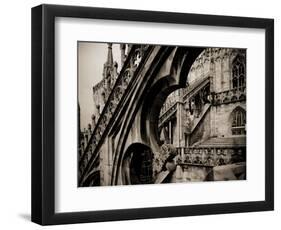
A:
91, 57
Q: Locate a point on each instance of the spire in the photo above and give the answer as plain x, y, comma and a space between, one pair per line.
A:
108, 65
109, 55
123, 55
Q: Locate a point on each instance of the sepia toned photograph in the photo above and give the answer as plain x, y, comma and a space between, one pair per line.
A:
154, 114
140, 114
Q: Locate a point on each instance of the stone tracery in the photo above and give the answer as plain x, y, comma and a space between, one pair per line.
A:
195, 102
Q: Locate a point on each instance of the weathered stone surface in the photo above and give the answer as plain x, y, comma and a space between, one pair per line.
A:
230, 172
129, 116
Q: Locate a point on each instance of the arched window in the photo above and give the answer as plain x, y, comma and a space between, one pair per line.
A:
238, 72
238, 121
137, 165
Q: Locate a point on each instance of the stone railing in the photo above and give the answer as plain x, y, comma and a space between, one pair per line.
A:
195, 85
170, 106
192, 122
167, 113
135, 56
214, 156
229, 96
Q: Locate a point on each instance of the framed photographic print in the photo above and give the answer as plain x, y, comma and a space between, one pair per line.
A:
142, 114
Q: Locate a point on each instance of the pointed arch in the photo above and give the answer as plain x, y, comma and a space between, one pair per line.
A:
137, 165
238, 121
238, 75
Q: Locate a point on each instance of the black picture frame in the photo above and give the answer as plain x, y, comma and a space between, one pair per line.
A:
43, 114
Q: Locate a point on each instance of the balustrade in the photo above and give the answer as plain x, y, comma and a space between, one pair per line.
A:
232, 95
204, 156
167, 112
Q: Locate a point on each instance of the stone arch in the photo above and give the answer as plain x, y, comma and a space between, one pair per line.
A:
237, 108
169, 72
237, 120
93, 179
161, 89
238, 71
151, 109
137, 165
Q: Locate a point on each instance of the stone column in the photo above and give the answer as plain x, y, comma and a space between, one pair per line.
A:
170, 132
227, 71
179, 128
123, 55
